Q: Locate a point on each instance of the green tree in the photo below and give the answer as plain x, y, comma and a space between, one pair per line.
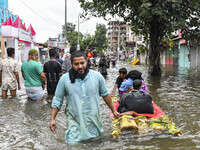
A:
71, 35
100, 41
72, 38
46, 43
69, 27
155, 19
86, 42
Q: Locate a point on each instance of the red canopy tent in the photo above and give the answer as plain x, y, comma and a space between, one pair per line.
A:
18, 23
30, 29
16, 31
8, 22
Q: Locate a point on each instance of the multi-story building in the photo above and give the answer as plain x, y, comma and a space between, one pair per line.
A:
117, 34
121, 36
134, 43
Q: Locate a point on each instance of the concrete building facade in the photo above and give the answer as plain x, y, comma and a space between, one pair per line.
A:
117, 33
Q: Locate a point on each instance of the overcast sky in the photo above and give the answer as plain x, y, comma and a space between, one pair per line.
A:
47, 16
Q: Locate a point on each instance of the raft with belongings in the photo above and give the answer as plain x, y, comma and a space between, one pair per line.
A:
132, 122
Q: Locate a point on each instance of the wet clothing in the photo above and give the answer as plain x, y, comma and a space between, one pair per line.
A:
113, 62
128, 83
119, 82
32, 71
108, 62
134, 74
59, 60
66, 66
102, 67
137, 101
82, 109
9, 66
52, 69
34, 93
94, 53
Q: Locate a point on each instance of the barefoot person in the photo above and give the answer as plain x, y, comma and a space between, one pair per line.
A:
81, 87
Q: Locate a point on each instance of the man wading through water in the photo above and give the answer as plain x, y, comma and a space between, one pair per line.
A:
81, 87
9, 77
34, 77
53, 71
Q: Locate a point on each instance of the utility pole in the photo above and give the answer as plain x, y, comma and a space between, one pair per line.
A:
135, 49
65, 31
78, 46
65, 12
118, 40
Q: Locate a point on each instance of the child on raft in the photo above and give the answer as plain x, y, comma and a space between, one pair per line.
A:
127, 84
136, 100
119, 80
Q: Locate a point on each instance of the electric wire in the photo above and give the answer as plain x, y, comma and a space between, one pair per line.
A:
49, 21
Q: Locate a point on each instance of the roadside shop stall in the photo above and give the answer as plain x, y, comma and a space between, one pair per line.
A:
15, 33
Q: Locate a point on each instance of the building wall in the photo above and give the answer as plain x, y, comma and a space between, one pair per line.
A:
5, 13
171, 56
162, 57
142, 57
175, 54
184, 57
116, 29
169, 60
4, 8
194, 56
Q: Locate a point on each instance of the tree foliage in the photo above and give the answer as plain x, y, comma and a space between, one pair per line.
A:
70, 34
69, 27
46, 43
72, 38
86, 42
100, 41
155, 19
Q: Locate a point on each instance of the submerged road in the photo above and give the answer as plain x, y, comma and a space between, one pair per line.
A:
24, 124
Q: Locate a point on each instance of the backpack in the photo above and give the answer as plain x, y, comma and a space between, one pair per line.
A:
139, 102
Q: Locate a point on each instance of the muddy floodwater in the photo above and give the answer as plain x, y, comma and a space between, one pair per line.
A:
24, 124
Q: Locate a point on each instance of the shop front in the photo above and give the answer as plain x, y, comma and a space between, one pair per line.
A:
18, 37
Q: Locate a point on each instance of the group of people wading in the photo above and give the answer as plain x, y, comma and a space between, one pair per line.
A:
81, 87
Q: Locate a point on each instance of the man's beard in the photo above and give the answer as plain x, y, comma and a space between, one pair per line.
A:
73, 74
81, 75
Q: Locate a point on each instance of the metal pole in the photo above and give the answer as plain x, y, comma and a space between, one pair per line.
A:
78, 47
65, 32
135, 49
197, 53
118, 41
65, 12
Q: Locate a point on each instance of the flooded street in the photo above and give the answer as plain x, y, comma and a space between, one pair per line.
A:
24, 124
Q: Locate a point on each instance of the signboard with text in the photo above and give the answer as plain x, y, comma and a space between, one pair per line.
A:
53, 39
24, 35
130, 44
60, 38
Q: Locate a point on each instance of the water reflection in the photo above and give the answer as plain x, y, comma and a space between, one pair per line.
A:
34, 110
183, 72
25, 124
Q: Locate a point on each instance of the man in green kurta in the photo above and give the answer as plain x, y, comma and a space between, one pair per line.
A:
81, 87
